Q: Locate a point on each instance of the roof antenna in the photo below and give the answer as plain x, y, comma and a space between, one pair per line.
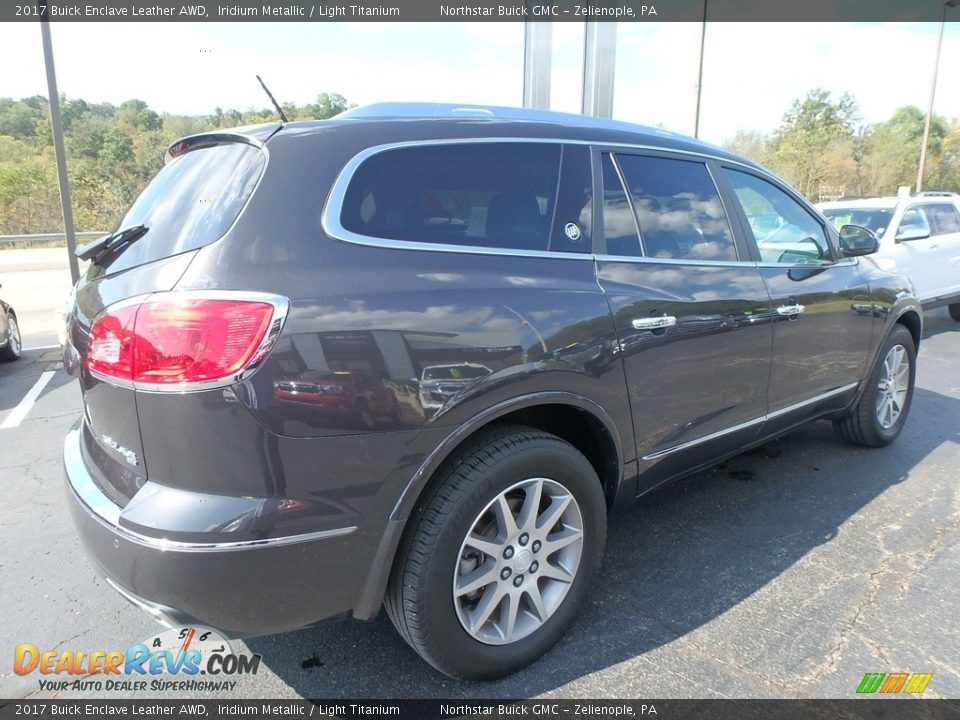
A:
283, 115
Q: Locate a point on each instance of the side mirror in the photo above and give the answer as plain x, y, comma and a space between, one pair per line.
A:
856, 240
912, 233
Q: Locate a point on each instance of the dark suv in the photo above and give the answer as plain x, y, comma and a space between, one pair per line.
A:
412, 356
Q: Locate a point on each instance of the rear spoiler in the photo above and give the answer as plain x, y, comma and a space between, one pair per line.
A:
255, 135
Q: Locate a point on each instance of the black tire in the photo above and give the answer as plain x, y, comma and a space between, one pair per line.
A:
419, 597
862, 426
954, 311
11, 351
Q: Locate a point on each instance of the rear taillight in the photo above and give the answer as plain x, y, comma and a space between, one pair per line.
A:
167, 342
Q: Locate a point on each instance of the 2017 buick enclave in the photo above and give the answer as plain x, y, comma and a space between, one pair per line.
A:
413, 355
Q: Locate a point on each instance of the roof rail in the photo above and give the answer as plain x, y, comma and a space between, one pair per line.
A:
450, 110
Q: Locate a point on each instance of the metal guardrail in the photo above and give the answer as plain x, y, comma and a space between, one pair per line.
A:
48, 237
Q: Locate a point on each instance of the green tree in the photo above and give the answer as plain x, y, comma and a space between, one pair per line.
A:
811, 128
893, 150
750, 144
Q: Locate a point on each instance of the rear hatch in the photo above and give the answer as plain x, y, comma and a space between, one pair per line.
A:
193, 201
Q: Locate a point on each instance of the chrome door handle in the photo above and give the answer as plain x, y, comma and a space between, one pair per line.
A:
790, 309
653, 323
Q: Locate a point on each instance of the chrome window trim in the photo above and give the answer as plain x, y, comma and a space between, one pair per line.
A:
678, 261
749, 423
281, 308
842, 262
108, 513
333, 207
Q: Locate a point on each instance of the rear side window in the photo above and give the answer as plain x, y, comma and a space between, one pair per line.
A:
943, 218
678, 208
493, 195
191, 202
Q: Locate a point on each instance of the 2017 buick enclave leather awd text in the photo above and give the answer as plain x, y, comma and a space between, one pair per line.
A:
412, 356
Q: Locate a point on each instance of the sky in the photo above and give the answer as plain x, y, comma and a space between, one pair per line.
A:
752, 71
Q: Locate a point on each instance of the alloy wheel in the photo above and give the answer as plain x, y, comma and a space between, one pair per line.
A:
518, 561
893, 386
14, 332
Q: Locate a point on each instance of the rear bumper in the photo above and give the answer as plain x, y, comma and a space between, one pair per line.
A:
164, 555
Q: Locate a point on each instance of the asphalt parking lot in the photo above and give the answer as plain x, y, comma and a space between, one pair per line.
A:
791, 571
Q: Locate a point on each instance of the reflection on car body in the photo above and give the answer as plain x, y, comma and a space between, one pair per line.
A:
440, 383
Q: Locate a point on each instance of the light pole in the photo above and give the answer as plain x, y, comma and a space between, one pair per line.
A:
59, 152
703, 37
933, 90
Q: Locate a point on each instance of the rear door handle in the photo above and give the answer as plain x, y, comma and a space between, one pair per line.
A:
653, 323
790, 309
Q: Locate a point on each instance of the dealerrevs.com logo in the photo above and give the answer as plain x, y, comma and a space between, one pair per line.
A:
188, 652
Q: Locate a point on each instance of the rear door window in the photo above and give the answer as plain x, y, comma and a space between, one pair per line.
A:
619, 223
492, 195
943, 218
191, 202
678, 208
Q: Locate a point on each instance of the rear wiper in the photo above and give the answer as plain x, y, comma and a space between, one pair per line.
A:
108, 243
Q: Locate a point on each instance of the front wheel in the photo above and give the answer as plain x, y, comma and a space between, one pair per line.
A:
503, 552
14, 344
954, 309
880, 413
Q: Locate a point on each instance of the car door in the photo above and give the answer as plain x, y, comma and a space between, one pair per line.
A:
690, 309
928, 249
822, 310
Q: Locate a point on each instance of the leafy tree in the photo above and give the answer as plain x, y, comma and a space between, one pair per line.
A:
810, 128
751, 144
113, 151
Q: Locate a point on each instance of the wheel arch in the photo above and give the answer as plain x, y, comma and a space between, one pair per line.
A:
574, 418
911, 319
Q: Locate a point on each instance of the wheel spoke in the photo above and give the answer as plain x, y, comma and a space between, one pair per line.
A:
505, 519
552, 514
488, 603
527, 519
508, 615
559, 540
481, 577
536, 601
901, 378
554, 572
493, 548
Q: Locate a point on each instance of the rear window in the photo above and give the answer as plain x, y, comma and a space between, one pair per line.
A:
191, 202
494, 195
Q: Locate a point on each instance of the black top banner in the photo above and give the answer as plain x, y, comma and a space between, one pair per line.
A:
480, 10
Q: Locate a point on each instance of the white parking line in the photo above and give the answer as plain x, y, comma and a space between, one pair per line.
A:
17, 415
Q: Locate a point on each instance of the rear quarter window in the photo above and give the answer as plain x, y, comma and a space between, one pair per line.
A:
191, 202
492, 195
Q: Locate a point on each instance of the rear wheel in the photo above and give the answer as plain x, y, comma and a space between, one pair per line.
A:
880, 413
954, 311
503, 552
14, 344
